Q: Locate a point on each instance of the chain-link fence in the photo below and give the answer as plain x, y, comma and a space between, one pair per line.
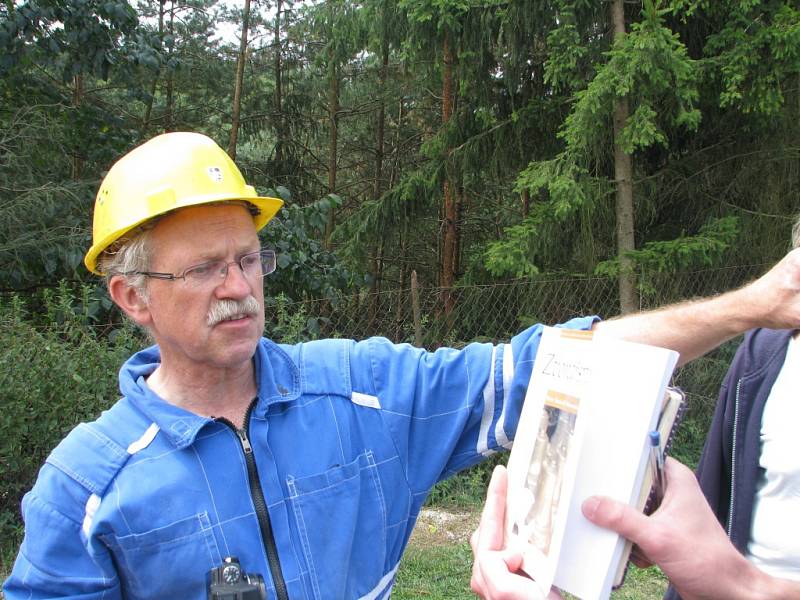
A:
495, 312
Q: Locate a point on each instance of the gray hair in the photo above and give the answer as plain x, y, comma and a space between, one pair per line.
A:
127, 256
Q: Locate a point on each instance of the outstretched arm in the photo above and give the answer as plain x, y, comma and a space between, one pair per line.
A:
697, 326
684, 538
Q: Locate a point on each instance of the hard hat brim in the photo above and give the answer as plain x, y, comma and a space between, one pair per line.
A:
267, 206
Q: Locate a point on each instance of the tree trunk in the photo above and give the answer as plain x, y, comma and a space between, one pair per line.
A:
526, 203
394, 171
403, 233
623, 175
377, 187
148, 108
168, 117
237, 86
333, 111
77, 100
375, 286
461, 206
279, 133
450, 232
399, 319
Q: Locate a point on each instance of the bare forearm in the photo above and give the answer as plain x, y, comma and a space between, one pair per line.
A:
695, 327
691, 328
745, 581
766, 587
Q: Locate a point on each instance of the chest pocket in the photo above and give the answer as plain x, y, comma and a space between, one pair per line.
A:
341, 516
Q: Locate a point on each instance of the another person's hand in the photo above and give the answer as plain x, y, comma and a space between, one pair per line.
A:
773, 300
683, 537
495, 571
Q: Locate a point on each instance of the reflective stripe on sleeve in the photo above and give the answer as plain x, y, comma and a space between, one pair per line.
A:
508, 375
488, 410
384, 586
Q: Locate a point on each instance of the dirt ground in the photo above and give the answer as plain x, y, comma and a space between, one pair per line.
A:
436, 527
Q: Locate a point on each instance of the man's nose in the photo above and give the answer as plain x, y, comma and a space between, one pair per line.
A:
234, 283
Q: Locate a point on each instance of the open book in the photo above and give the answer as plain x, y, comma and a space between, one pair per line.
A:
590, 405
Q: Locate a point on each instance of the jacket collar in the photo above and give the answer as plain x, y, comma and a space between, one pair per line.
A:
277, 376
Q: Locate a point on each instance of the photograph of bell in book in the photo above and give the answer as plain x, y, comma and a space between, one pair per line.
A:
542, 490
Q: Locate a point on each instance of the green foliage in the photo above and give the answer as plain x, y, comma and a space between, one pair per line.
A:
407, 200
512, 255
305, 267
467, 488
340, 28
82, 36
569, 190
648, 66
56, 373
290, 323
438, 16
566, 52
754, 54
701, 250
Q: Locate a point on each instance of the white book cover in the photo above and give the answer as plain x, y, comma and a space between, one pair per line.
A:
542, 465
619, 386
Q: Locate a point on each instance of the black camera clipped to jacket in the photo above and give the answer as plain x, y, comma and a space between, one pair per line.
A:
230, 582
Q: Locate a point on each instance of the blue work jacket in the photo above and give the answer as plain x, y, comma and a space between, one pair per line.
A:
342, 445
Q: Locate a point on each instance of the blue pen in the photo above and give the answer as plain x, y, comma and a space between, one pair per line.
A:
657, 464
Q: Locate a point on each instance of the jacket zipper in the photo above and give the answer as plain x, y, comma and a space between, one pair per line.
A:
262, 514
733, 457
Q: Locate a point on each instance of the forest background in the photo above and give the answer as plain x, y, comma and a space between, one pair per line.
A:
452, 169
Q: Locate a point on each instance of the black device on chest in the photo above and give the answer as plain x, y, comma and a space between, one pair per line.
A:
230, 582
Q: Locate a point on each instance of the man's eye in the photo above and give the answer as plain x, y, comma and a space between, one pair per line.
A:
250, 261
203, 270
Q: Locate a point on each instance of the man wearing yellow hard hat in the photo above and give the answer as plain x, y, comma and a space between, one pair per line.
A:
235, 465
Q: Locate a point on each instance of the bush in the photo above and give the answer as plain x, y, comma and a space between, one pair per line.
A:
53, 377
466, 488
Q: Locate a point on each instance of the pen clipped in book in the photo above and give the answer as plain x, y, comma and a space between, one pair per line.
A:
657, 465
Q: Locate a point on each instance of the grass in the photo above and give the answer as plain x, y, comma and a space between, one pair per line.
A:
443, 570
434, 572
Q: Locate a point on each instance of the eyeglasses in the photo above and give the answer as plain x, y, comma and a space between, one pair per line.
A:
254, 265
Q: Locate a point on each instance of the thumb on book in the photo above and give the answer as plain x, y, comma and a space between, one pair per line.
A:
491, 530
616, 516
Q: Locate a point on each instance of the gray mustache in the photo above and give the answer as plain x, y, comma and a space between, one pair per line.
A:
228, 309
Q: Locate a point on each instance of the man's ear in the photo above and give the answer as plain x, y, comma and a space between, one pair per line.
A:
130, 300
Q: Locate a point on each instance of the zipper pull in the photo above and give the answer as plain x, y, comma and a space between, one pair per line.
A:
248, 449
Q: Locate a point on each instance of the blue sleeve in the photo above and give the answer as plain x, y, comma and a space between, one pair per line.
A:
447, 410
53, 561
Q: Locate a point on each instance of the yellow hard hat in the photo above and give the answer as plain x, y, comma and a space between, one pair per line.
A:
170, 171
